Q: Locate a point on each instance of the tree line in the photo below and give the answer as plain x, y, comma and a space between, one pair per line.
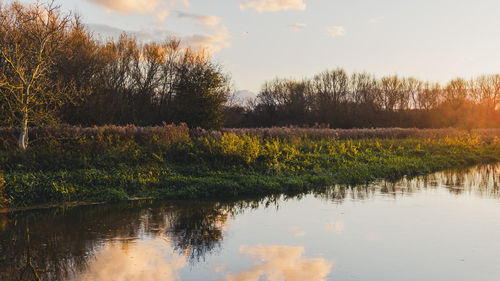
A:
336, 99
53, 70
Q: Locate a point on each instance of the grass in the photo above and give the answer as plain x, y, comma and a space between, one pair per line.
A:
116, 163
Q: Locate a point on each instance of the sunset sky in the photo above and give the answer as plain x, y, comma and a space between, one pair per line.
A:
257, 40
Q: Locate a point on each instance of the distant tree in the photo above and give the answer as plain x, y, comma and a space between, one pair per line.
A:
330, 90
362, 86
456, 92
390, 94
486, 91
428, 97
30, 38
412, 89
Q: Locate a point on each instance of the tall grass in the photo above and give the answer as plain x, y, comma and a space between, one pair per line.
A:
115, 163
9, 136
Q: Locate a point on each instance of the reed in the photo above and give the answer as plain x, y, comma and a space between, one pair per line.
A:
115, 163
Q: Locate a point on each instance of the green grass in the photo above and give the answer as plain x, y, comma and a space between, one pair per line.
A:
111, 168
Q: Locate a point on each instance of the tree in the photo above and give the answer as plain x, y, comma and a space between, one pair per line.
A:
456, 92
200, 91
30, 38
390, 92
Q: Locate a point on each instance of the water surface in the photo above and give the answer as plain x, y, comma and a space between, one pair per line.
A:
445, 226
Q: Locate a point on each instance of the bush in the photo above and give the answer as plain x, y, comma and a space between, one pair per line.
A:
115, 163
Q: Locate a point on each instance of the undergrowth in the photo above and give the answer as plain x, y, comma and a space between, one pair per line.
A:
110, 165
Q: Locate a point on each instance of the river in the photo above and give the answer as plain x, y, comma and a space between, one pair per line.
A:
444, 226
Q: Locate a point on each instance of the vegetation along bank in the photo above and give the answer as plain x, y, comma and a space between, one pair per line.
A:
112, 163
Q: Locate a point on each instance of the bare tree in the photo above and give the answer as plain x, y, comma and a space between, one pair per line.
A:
29, 39
429, 96
166, 89
362, 88
486, 90
390, 92
413, 87
456, 91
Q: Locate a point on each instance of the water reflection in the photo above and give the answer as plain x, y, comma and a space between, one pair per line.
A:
483, 181
124, 260
68, 239
280, 263
145, 240
335, 227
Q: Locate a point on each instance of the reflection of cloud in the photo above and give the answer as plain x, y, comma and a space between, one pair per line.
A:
335, 31
159, 8
297, 231
297, 26
335, 227
141, 260
220, 268
273, 5
282, 263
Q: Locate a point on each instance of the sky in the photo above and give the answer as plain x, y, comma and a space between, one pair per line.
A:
259, 40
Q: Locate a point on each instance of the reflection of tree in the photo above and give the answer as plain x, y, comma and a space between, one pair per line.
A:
480, 180
339, 193
63, 240
28, 271
197, 229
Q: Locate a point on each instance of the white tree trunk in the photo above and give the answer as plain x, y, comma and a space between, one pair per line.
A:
23, 135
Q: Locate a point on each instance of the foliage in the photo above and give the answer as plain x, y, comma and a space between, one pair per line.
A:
30, 39
53, 71
113, 163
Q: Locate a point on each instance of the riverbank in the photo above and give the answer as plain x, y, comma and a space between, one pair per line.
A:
171, 162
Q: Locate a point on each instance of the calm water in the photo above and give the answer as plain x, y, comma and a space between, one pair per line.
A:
444, 226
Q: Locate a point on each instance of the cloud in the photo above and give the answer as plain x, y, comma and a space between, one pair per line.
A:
335, 227
242, 98
211, 42
335, 31
244, 94
280, 263
297, 26
159, 8
136, 260
109, 32
376, 20
273, 5
208, 22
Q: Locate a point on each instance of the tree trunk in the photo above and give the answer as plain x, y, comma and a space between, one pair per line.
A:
23, 136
